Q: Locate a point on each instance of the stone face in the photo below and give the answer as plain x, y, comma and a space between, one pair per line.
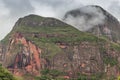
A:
27, 57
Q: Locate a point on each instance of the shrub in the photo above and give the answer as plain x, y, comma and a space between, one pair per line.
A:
110, 60
5, 75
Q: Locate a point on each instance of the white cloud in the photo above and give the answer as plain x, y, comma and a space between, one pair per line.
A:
85, 18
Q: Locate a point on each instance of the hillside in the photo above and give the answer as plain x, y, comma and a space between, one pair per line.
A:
49, 48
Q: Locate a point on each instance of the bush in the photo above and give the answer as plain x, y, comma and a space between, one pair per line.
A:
45, 71
54, 73
82, 78
118, 78
110, 60
43, 77
5, 75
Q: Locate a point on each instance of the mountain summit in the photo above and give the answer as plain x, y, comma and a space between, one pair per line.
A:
95, 20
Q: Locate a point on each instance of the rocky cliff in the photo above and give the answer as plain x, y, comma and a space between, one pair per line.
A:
37, 43
95, 20
22, 55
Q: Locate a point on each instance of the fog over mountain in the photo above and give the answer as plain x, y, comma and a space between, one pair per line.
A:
11, 10
94, 19
85, 18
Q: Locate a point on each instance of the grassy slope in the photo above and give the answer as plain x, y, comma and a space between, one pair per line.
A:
66, 34
69, 33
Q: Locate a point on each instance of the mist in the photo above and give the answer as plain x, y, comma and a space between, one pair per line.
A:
85, 17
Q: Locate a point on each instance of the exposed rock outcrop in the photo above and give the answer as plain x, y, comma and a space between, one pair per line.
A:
27, 56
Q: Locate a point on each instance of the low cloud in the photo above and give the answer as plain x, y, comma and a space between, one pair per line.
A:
85, 17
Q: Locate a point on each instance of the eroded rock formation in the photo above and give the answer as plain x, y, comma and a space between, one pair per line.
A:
27, 56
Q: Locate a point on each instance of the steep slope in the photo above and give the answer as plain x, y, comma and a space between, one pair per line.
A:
95, 20
37, 43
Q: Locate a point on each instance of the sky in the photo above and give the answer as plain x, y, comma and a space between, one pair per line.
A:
12, 10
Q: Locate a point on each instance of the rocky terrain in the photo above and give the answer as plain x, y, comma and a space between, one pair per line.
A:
49, 48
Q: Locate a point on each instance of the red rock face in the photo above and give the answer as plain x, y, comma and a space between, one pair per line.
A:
28, 57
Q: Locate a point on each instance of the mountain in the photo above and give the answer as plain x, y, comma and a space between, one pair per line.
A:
94, 19
43, 48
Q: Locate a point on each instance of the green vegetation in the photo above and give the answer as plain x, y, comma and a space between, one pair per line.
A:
110, 60
118, 78
66, 33
50, 35
50, 75
57, 75
5, 75
97, 76
42, 78
19, 78
82, 77
115, 46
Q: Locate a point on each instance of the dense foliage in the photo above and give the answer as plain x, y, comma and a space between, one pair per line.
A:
5, 75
